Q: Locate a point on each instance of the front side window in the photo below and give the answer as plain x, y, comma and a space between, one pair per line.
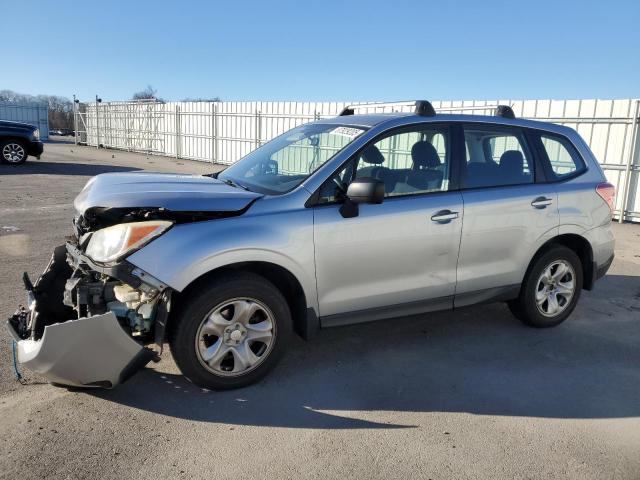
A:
408, 162
286, 161
496, 157
562, 156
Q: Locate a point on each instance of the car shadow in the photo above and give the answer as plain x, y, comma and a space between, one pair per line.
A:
62, 168
478, 360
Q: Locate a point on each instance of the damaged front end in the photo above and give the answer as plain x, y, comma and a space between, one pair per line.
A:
86, 324
91, 313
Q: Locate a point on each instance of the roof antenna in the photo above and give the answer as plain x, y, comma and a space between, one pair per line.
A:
505, 111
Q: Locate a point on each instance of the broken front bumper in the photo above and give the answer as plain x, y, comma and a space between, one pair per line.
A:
87, 352
93, 351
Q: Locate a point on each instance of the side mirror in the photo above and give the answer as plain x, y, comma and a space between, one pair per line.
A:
366, 190
362, 190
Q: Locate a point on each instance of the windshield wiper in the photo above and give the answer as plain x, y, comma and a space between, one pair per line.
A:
233, 183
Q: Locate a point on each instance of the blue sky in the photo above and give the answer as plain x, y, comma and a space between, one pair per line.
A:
323, 50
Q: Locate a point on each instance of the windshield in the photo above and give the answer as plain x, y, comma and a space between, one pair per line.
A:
283, 163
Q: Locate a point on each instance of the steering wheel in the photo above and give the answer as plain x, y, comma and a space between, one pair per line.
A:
340, 184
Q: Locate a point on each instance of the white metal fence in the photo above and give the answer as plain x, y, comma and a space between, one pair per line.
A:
224, 132
31, 113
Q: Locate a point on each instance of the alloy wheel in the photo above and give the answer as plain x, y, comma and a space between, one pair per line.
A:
13, 152
555, 288
235, 337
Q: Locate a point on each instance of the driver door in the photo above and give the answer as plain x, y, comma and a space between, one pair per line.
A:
398, 257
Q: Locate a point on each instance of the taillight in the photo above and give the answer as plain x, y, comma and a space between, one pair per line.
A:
608, 193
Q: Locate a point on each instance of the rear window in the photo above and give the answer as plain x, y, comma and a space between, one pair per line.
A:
563, 158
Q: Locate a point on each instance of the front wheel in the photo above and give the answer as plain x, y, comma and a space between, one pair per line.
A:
550, 290
13, 152
231, 332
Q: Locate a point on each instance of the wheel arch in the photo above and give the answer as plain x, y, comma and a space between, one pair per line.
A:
578, 244
305, 320
16, 138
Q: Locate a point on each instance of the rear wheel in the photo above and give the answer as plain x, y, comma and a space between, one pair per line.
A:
550, 290
13, 152
231, 332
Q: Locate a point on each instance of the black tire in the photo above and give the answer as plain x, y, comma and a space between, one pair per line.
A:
525, 307
204, 299
4, 143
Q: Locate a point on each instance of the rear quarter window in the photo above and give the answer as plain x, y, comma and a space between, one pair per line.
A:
564, 160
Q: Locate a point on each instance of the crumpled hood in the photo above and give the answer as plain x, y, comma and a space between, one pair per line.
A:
174, 192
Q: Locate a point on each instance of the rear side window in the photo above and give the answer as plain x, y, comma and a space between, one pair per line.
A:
563, 158
496, 157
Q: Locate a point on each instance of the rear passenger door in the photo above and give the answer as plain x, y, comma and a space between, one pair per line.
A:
509, 211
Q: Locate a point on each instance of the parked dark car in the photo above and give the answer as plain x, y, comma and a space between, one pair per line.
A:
18, 141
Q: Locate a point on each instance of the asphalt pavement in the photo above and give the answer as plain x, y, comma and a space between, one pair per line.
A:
465, 394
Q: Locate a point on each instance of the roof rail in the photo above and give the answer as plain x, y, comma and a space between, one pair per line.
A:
504, 111
425, 109
422, 107
492, 106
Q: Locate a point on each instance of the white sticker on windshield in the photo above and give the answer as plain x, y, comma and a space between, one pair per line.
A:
346, 132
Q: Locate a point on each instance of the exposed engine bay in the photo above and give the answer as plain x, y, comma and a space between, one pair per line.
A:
129, 293
72, 288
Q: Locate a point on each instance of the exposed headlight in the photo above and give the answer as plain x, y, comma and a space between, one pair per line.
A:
36, 134
114, 242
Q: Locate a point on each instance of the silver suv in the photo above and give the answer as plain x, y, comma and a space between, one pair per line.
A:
339, 221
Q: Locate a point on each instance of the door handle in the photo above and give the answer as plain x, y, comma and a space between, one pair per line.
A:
541, 202
444, 216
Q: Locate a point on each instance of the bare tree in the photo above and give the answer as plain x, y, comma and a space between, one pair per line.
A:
148, 93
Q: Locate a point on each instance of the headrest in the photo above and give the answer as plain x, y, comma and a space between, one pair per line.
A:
424, 155
512, 161
372, 155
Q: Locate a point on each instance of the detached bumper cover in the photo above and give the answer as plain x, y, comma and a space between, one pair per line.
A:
94, 351
88, 352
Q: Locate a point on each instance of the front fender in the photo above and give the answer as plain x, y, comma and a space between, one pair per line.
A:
188, 251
